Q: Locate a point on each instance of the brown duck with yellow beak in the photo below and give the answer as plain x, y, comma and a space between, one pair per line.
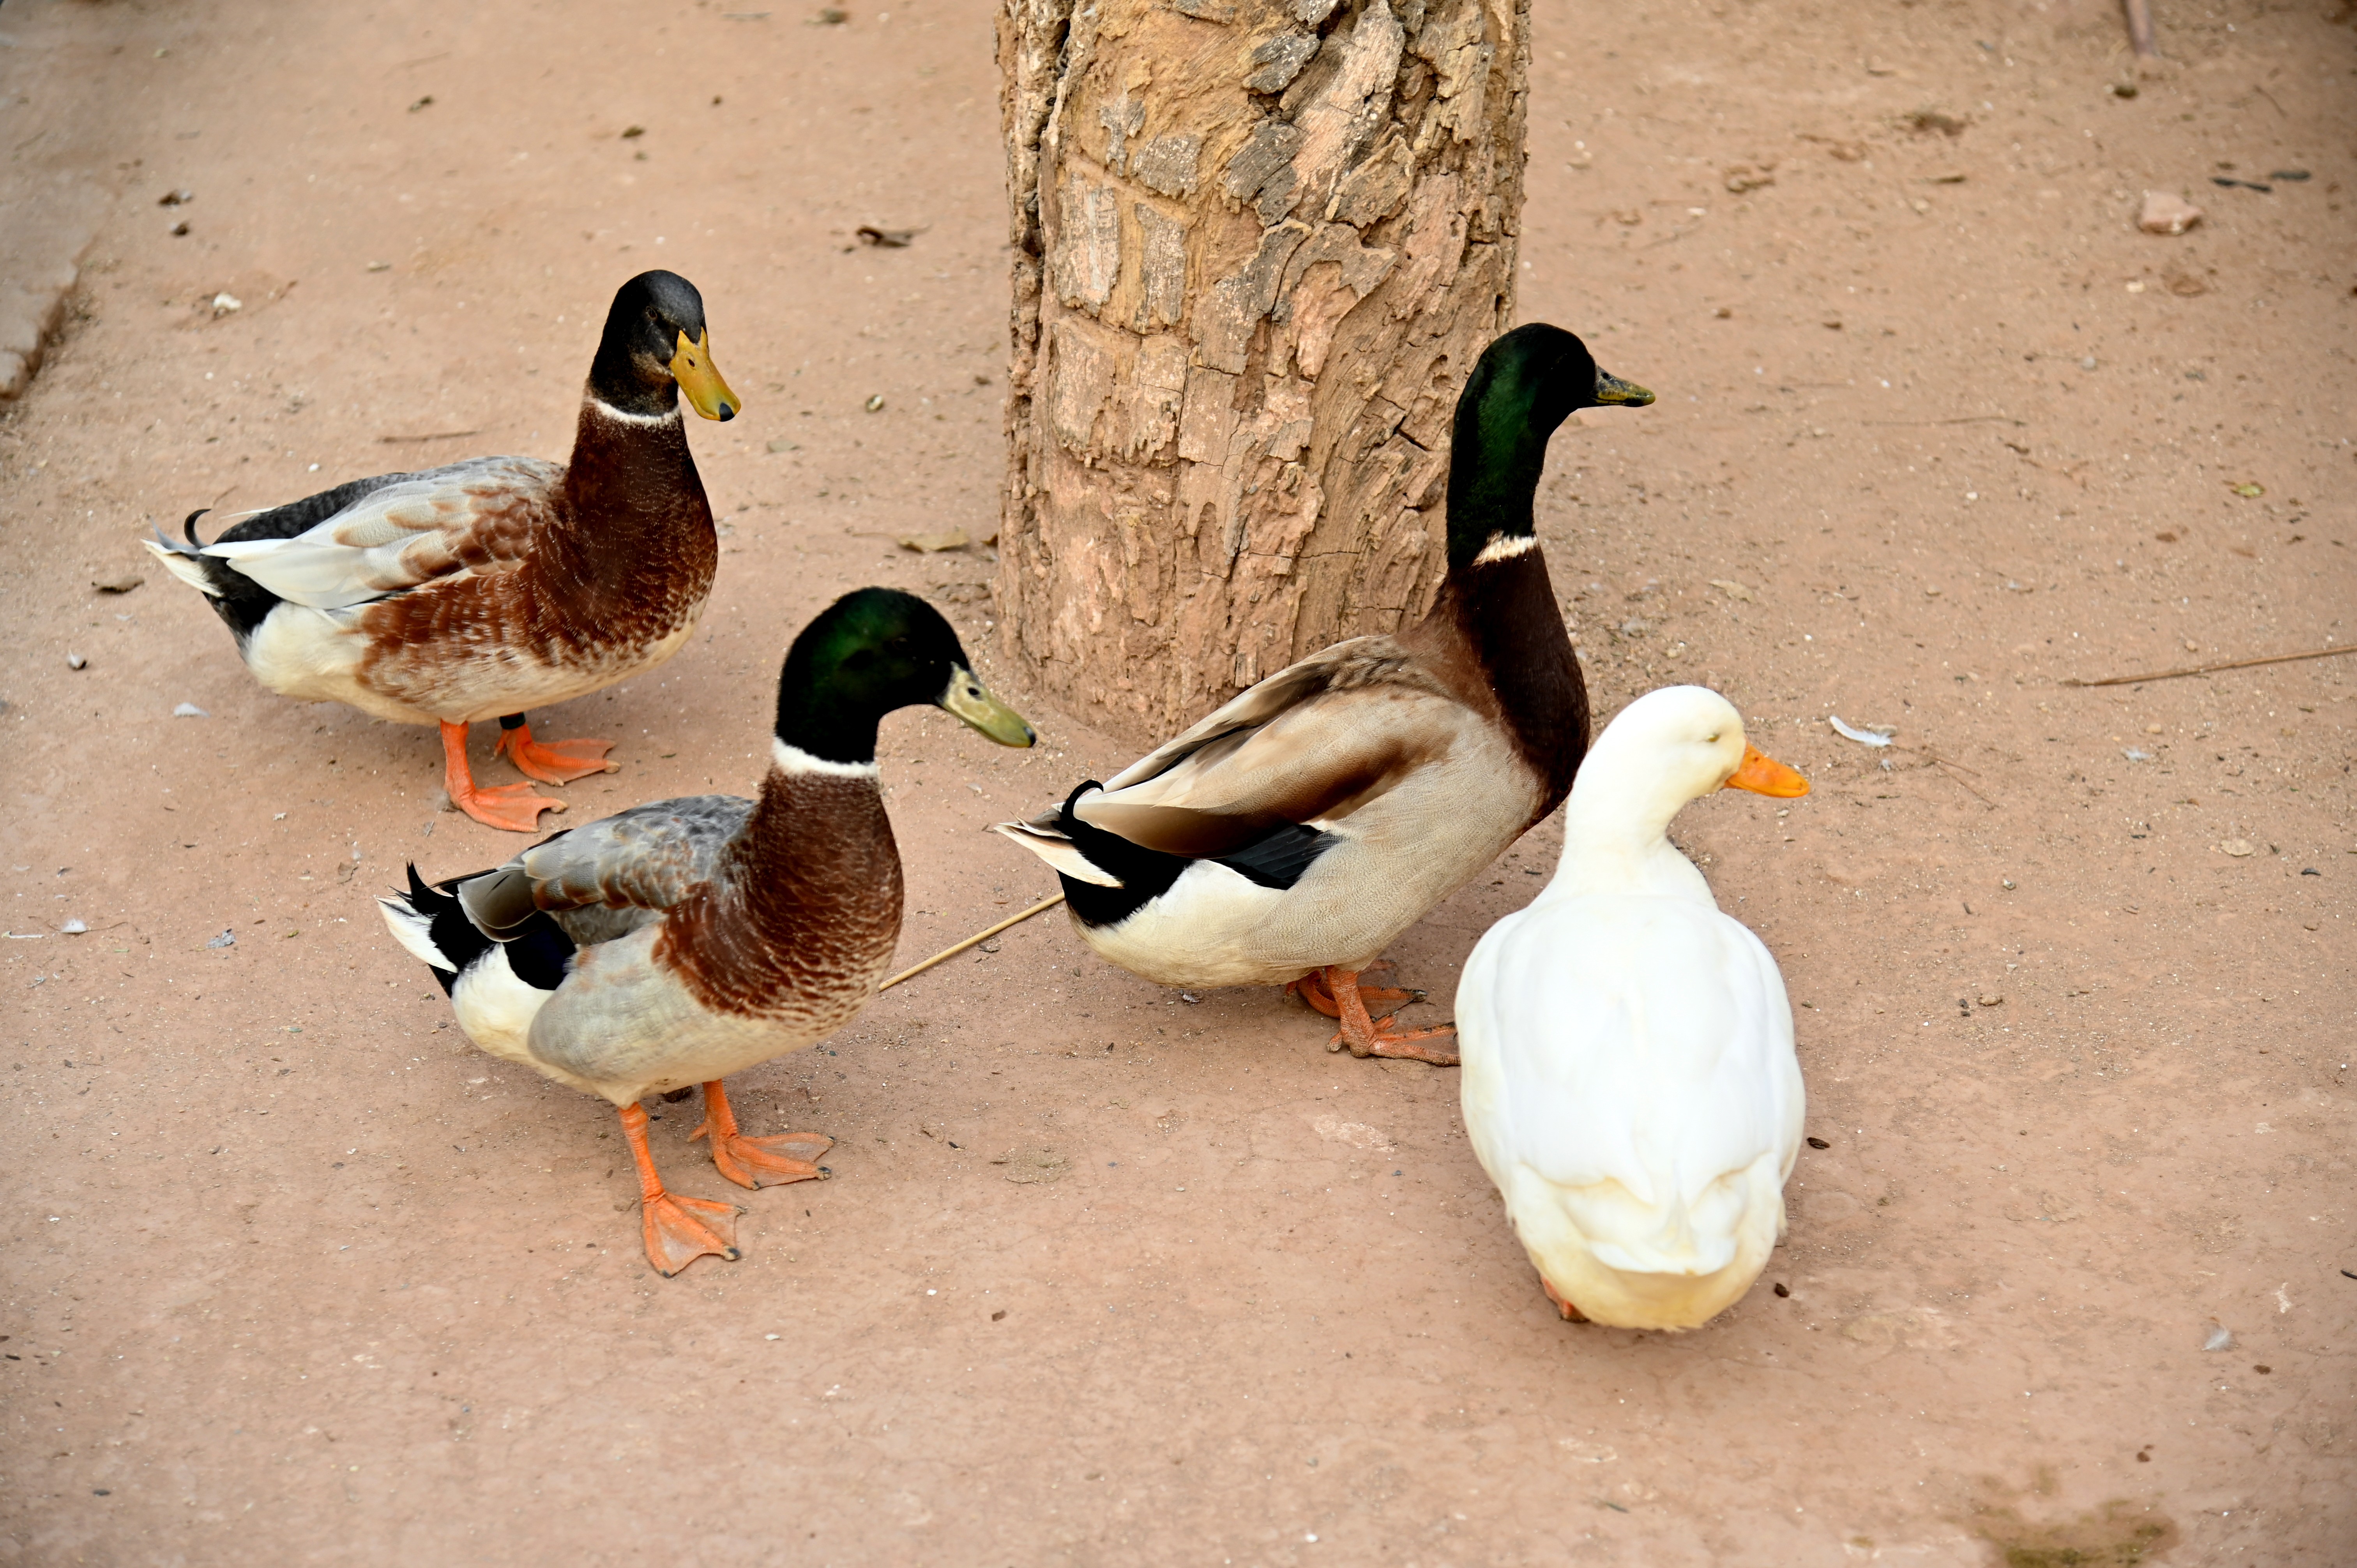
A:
487, 587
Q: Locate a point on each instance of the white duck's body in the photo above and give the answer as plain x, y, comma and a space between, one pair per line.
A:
1631, 1083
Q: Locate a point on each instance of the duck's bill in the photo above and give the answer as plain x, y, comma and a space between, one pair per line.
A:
699, 382
1763, 774
968, 699
1613, 392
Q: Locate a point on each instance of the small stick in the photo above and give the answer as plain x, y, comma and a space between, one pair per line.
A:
2206, 669
1967, 419
1944, 766
915, 969
2140, 28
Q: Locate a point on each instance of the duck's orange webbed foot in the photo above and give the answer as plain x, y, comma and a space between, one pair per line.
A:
552, 761
757, 1162
677, 1231
1364, 1036
1314, 988
512, 806
1570, 1313
675, 1237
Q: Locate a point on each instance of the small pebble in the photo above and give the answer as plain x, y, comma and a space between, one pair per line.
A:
2165, 212
2238, 848
73, 928
875, 402
1990, 999
2088, 363
189, 711
76, 662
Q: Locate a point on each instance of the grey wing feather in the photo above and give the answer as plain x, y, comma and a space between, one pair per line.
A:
605, 880
614, 877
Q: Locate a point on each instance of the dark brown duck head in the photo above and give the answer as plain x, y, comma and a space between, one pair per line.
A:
656, 346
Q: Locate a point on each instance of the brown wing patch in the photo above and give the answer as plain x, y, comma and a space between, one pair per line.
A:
587, 573
1317, 762
1347, 666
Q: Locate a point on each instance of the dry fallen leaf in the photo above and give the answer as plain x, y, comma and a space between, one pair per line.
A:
931, 543
1027, 1167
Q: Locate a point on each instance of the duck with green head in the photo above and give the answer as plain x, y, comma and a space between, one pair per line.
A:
681, 941
481, 589
1291, 835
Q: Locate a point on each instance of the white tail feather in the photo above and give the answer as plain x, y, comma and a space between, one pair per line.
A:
414, 931
182, 565
1059, 852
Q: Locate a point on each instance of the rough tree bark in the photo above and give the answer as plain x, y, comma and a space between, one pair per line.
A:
1258, 245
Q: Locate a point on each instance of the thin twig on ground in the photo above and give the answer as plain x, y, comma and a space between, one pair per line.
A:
983, 936
2207, 669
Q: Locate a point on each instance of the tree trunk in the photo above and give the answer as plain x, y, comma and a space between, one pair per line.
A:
1258, 246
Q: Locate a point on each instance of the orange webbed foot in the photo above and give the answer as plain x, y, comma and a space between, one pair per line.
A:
757, 1162
555, 761
1365, 1037
512, 808
677, 1231
769, 1161
676, 1237
1314, 988
1570, 1313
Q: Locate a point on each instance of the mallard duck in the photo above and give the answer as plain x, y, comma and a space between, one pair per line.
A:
680, 941
1629, 1081
481, 589
1288, 837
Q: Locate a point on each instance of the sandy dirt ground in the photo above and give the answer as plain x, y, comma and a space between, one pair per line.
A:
292, 1275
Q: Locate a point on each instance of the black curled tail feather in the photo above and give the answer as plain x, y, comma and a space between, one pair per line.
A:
448, 930
241, 602
539, 953
1146, 873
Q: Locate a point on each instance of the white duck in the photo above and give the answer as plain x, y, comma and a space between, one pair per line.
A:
1630, 1080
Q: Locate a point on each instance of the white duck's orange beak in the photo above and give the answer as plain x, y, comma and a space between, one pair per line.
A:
1763, 774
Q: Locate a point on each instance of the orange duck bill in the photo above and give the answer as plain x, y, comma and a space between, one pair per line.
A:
1763, 774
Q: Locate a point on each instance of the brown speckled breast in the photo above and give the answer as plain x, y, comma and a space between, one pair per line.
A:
616, 562
800, 921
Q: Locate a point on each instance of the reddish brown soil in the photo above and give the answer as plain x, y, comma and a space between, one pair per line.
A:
295, 1275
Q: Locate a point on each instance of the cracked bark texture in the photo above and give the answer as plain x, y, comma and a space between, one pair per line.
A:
1258, 244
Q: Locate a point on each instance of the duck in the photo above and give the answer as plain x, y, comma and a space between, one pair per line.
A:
680, 941
1290, 835
487, 587
1629, 1081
